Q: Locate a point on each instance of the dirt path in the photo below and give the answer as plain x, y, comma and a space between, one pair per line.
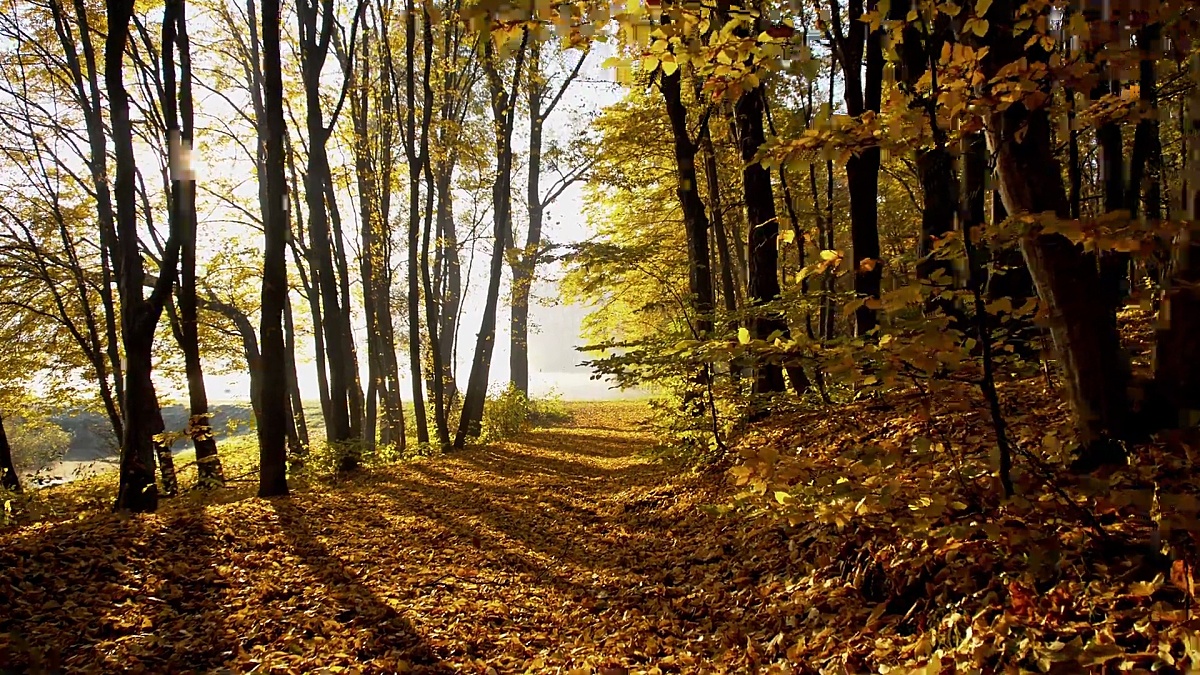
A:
567, 552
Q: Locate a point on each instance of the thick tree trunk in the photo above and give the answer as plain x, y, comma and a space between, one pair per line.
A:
763, 223
1177, 339
1095, 369
9, 480
273, 423
862, 169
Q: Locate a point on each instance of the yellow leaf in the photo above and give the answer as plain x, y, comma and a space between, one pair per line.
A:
980, 28
669, 67
982, 6
650, 64
787, 236
950, 9
744, 336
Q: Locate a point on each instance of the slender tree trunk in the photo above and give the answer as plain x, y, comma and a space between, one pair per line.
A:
371, 246
452, 284
293, 380
183, 190
349, 356
503, 113
524, 261
862, 169
139, 316
81, 63
695, 222
272, 429
315, 36
713, 183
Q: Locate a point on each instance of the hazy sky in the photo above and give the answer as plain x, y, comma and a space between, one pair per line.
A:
555, 324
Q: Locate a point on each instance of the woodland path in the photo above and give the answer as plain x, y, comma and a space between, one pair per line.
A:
568, 551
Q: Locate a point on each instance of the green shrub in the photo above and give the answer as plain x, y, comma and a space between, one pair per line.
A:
549, 410
505, 414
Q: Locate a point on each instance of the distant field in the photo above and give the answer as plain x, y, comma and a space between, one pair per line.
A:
93, 450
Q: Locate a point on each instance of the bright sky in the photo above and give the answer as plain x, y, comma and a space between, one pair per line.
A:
555, 331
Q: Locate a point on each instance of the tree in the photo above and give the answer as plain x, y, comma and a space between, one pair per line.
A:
503, 104
863, 89
543, 98
139, 315
8, 472
1095, 368
273, 391
183, 219
316, 22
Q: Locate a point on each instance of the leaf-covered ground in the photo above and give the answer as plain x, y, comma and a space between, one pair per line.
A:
571, 551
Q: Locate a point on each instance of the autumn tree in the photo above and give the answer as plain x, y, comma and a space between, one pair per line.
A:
139, 315
273, 392
503, 106
543, 96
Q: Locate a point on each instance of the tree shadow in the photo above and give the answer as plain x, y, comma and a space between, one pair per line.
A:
112, 592
380, 631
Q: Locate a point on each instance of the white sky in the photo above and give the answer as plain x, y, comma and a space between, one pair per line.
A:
555, 325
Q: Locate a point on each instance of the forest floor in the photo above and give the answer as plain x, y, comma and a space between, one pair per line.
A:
572, 550
569, 548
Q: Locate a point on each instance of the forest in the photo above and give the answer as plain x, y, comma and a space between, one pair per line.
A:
900, 293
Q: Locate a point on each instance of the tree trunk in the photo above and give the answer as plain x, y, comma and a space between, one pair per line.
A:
432, 321
315, 39
713, 183
1114, 265
416, 160
272, 428
85, 75
293, 381
139, 316
862, 169
695, 222
183, 189
503, 113
524, 260
349, 356
9, 480
1095, 369
370, 242
763, 223
451, 285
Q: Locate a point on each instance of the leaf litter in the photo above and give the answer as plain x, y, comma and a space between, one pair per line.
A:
573, 551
